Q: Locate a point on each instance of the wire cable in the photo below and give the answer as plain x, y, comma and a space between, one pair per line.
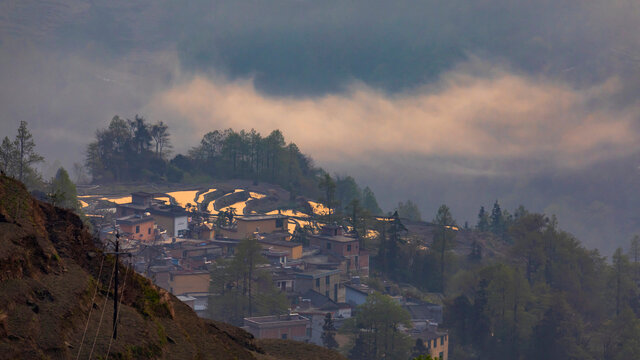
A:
104, 306
124, 285
86, 326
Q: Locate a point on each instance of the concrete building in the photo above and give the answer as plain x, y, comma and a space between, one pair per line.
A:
436, 342
172, 218
423, 312
137, 227
356, 294
246, 226
292, 326
292, 250
332, 240
183, 281
326, 282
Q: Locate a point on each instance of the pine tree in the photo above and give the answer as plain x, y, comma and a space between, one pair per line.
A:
369, 201
483, 220
329, 333
329, 186
443, 236
26, 150
8, 157
497, 225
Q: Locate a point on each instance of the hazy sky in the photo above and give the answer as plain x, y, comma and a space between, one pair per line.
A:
458, 102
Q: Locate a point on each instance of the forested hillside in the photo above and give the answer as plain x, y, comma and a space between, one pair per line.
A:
539, 295
137, 150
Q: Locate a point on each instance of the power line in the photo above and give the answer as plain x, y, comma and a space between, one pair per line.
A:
106, 297
86, 326
124, 285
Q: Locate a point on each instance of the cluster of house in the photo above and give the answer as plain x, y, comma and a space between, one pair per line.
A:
323, 277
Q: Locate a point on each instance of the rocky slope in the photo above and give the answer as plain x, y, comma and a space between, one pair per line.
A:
55, 288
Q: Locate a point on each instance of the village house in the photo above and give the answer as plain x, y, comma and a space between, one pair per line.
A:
188, 281
193, 249
292, 326
160, 275
172, 218
284, 279
291, 250
246, 226
356, 294
423, 313
137, 227
315, 306
140, 203
332, 240
325, 282
436, 342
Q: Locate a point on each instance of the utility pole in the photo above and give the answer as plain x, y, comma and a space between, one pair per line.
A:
115, 290
115, 287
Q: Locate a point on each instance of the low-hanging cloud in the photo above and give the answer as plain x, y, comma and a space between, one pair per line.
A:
474, 115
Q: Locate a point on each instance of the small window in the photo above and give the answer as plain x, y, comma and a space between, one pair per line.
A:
435, 343
441, 356
348, 247
442, 340
328, 245
327, 280
318, 282
137, 229
326, 293
279, 223
149, 231
284, 336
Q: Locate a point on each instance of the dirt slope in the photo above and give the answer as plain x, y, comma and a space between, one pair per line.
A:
49, 272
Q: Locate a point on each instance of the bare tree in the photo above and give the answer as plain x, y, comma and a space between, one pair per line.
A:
160, 135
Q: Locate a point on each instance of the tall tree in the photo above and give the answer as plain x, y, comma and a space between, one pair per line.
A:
634, 255
483, 220
141, 135
329, 187
25, 147
243, 288
497, 225
369, 201
376, 328
9, 157
63, 191
392, 253
624, 287
443, 236
329, 333
159, 132
409, 210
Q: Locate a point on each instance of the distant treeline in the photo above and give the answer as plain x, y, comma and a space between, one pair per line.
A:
136, 150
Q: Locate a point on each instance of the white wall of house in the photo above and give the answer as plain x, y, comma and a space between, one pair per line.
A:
180, 223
